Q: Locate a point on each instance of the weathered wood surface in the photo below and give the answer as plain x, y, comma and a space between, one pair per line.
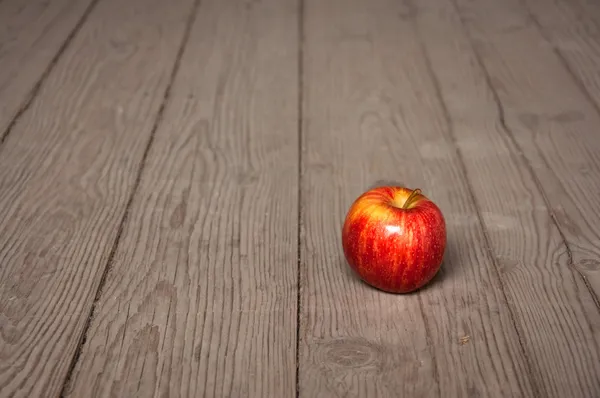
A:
169, 162
201, 297
373, 112
553, 122
557, 319
571, 28
33, 35
67, 171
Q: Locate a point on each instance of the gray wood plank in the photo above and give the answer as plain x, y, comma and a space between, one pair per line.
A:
32, 33
201, 298
371, 113
67, 171
549, 118
555, 312
572, 29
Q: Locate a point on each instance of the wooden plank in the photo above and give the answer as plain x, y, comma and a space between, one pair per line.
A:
552, 122
32, 34
572, 29
371, 113
201, 299
558, 318
67, 172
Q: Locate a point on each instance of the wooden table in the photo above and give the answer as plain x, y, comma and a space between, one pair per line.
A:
174, 176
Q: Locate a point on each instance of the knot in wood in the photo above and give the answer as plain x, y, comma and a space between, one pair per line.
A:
350, 353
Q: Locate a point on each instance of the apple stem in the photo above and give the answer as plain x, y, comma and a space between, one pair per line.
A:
411, 198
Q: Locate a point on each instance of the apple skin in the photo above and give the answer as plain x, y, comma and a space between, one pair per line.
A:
391, 248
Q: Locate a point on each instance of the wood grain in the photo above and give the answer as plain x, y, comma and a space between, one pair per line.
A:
549, 118
67, 172
32, 33
555, 312
201, 298
372, 113
572, 29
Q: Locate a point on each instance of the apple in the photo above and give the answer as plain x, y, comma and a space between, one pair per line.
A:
394, 238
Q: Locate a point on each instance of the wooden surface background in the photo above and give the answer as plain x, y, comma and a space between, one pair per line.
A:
174, 176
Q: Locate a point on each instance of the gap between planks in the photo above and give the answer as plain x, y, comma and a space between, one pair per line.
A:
38, 85
300, 111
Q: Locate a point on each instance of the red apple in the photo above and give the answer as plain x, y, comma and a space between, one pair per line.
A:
394, 238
